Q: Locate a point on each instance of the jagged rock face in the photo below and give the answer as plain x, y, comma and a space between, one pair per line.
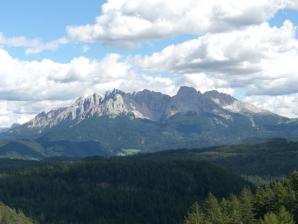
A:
220, 98
189, 100
151, 104
231, 104
145, 105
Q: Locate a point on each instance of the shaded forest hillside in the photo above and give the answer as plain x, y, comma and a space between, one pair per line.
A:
117, 190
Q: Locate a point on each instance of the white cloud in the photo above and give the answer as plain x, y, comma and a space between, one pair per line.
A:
29, 87
85, 48
32, 45
285, 105
52, 45
258, 63
18, 41
236, 51
203, 83
22, 111
127, 22
259, 59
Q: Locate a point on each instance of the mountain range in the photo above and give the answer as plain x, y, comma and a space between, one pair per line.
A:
120, 123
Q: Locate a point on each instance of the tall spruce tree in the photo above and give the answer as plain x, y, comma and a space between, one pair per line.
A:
195, 215
246, 207
214, 212
280, 217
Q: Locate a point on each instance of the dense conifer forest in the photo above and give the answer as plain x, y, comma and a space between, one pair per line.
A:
274, 204
117, 190
181, 186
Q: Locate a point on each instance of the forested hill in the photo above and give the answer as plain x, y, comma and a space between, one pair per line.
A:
117, 190
276, 158
147, 188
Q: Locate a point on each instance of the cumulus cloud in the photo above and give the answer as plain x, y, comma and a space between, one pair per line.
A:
49, 80
204, 83
48, 46
29, 87
285, 104
21, 111
128, 22
236, 52
259, 59
18, 41
32, 45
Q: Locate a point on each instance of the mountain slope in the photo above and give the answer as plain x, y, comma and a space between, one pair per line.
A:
276, 158
40, 149
151, 121
115, 190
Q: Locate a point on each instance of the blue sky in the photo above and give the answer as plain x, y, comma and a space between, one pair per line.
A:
48, 20
160, 45
281, 16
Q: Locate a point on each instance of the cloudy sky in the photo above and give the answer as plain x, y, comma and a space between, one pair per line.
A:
53, 51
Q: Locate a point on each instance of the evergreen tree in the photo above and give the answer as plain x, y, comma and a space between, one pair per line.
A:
294, 185
263, 202
226, 210
214, 212
235, 210
281, 217
10, 216
195, 216
246, 207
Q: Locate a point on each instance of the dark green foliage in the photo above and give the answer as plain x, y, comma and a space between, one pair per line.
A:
257, 163
274, 204
10, 216
41, 148
273, 159
14, 164
214, 212
118, 190
247, 207
273, 198
280, 217
195, 215
232, 211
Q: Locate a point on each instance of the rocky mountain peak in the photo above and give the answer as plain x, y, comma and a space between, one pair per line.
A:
90, 101
112, 94
220, 98
187, 100
144, 104
186, 91
151, 119
149, 104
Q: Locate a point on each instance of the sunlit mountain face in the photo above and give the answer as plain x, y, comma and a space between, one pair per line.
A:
145, 121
